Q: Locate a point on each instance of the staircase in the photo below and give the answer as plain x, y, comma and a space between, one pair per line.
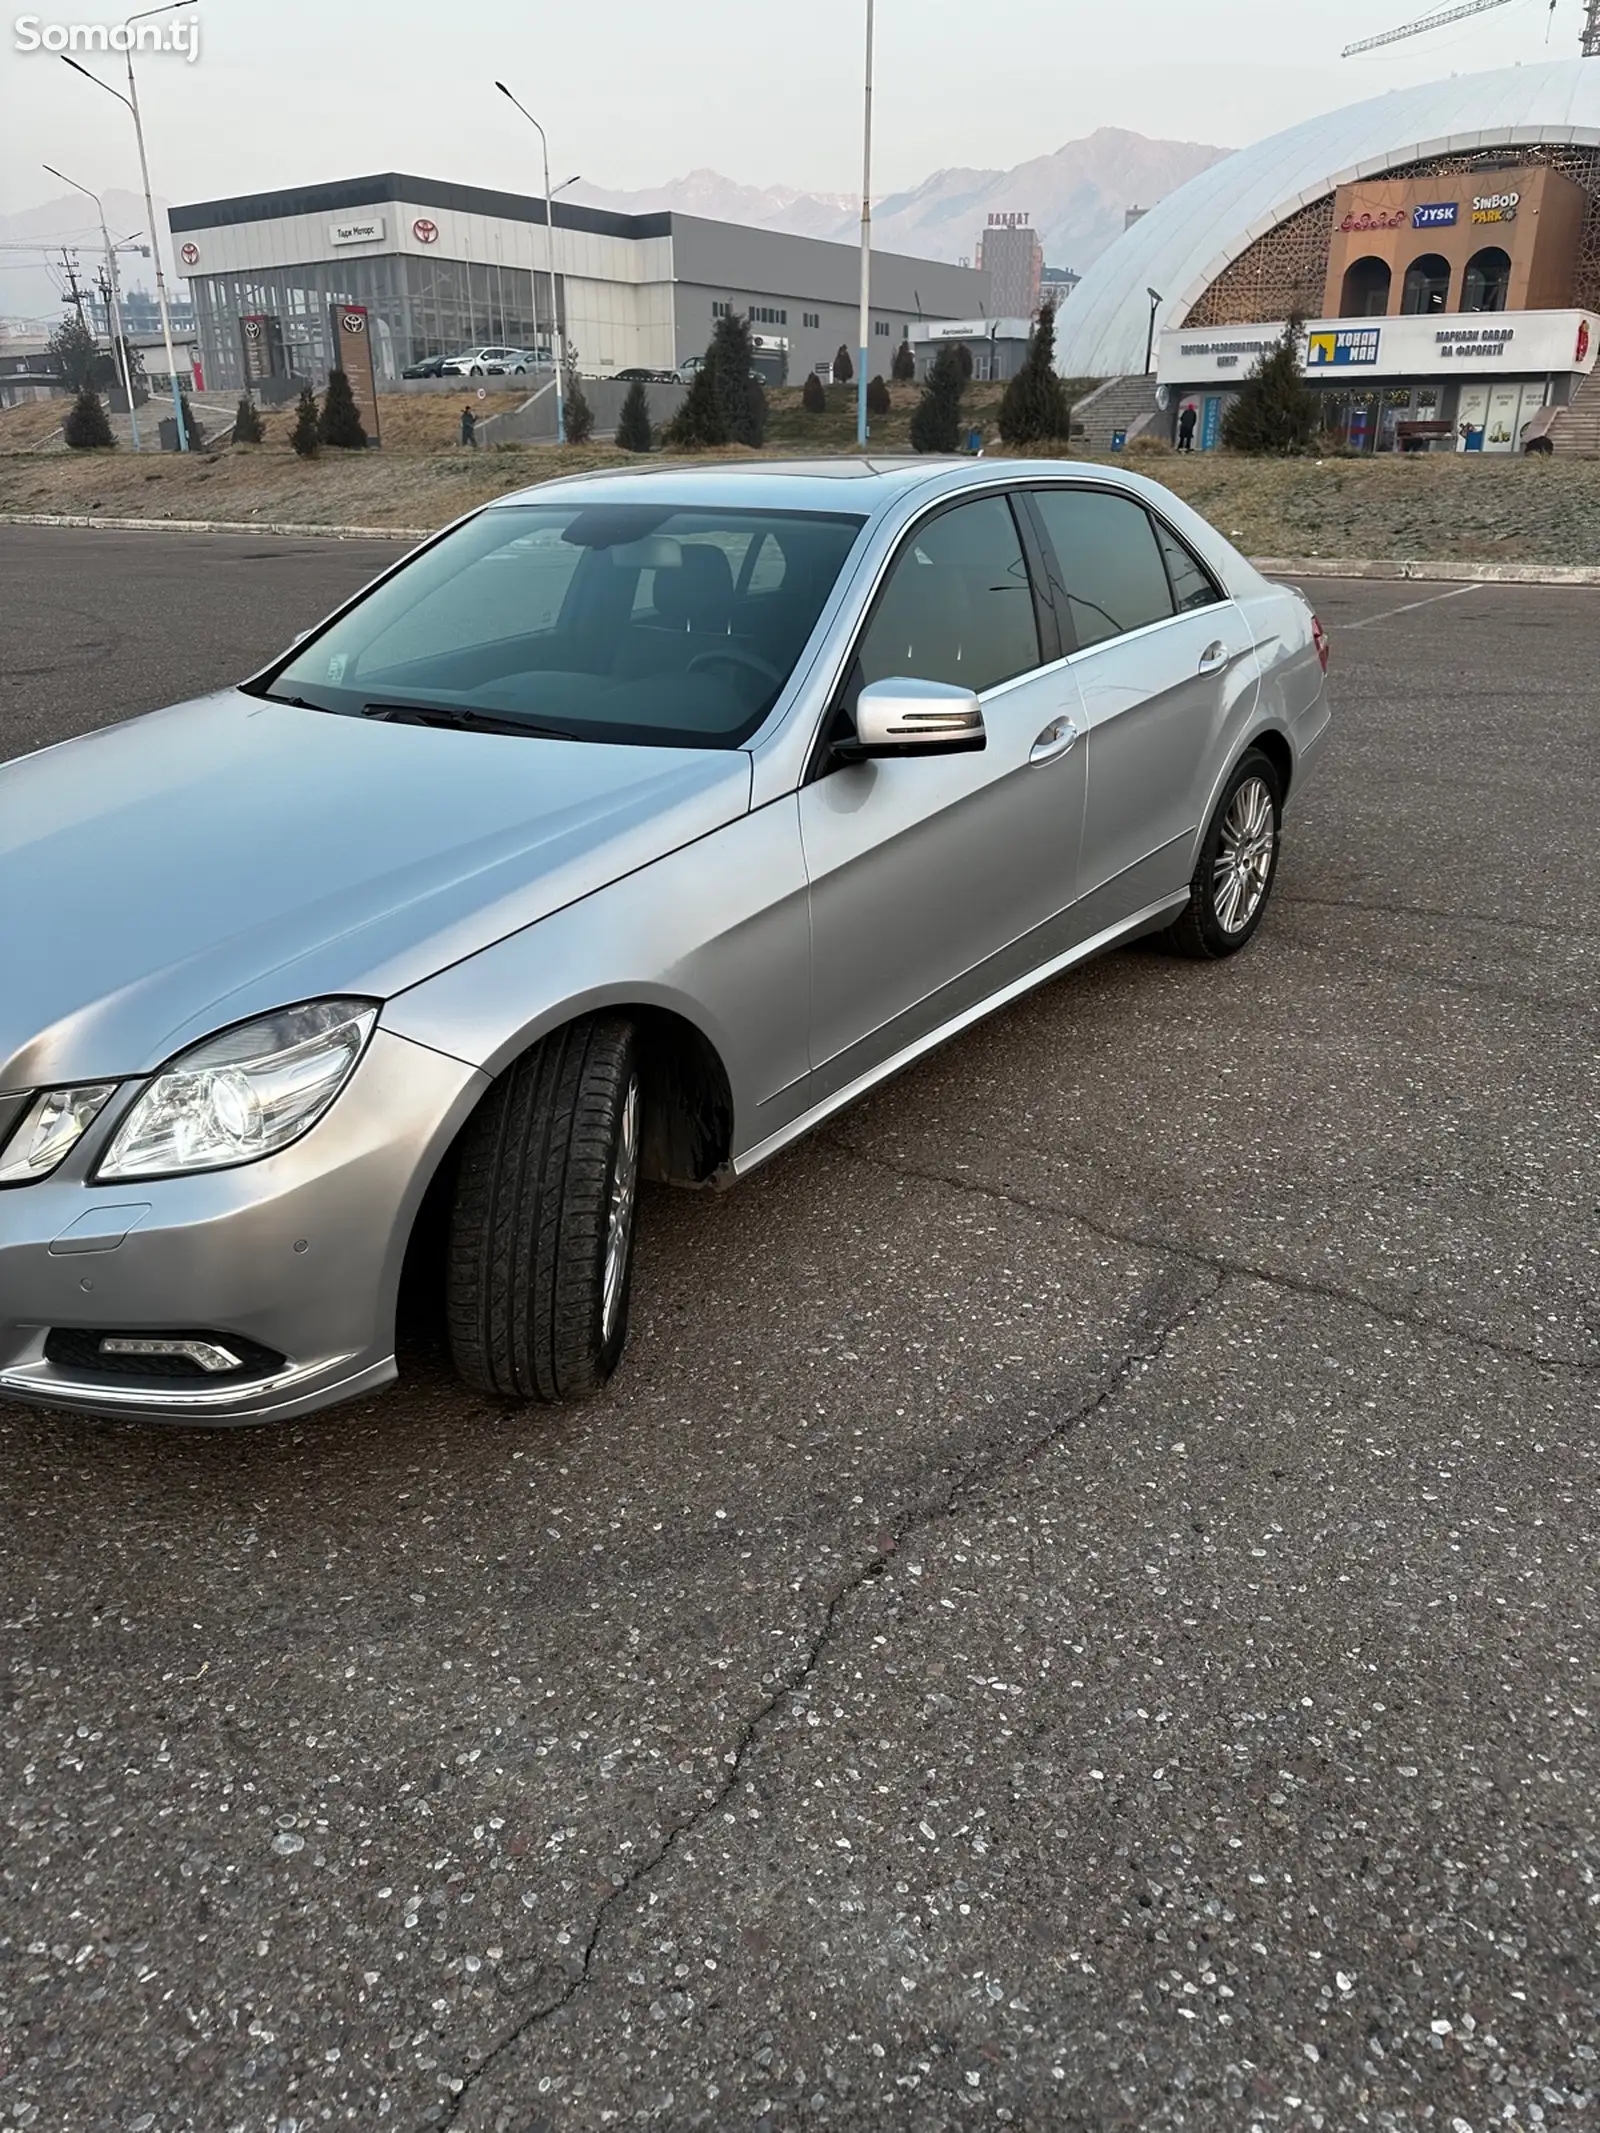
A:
1575, 431
1120, 404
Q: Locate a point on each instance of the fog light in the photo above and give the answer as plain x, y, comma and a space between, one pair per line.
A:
205, 1355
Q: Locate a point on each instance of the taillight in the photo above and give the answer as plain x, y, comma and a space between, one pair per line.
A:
1319, 638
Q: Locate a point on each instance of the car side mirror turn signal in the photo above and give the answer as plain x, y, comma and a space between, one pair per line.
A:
900, 716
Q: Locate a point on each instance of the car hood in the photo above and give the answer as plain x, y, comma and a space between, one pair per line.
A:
169, 876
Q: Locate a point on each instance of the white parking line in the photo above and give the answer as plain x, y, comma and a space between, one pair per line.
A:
1432, 600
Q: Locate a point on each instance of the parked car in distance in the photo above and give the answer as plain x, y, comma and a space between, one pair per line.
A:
637, 374
487, 362
626, 829
429, 367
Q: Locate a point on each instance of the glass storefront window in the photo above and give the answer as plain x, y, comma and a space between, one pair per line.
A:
417, 308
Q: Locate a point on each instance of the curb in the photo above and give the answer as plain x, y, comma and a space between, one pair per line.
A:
1455, 573
1270, 566
218, 525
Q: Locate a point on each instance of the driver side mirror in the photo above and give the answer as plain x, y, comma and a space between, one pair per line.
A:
900, 716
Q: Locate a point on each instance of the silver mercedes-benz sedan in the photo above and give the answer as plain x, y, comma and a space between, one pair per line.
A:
625, 830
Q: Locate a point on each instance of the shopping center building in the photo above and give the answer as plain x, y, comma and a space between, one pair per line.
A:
439, 267
1441, 244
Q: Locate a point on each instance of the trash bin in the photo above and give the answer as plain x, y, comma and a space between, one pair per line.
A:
1118, 439
974, 441
167, 431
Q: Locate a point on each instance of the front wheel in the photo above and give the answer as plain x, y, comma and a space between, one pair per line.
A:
1238, 860
542, 1226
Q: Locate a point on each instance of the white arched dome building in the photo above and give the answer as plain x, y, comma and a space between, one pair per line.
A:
1251, 239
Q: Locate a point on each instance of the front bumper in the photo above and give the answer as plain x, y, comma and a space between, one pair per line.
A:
299, 1254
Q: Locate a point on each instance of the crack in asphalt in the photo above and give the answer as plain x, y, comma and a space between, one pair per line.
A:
1468, 918
1197, 1255
984, 1466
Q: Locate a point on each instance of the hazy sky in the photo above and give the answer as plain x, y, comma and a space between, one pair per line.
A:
636, 93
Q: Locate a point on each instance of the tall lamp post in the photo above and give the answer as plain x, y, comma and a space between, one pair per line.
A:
119, 344
866, 241
132, 102
557, 349
1156, 301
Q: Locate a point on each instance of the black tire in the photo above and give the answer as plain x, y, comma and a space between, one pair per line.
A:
1209, 927
541, 1161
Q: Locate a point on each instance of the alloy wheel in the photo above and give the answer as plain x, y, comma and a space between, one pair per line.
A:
620, 1211
1243, 864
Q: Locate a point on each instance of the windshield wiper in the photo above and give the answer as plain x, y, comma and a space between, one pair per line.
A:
464, 719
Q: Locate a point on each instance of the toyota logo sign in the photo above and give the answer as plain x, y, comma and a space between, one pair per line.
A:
190, 255
424, 231
355, 322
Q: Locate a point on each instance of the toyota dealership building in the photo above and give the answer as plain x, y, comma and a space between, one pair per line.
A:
1441, 244
439, 267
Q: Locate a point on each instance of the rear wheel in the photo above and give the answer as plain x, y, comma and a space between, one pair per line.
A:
1238, 860
542, 1226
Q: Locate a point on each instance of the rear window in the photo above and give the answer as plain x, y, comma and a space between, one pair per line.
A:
608, 622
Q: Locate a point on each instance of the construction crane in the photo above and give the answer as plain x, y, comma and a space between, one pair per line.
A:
1435, 21
1589, 37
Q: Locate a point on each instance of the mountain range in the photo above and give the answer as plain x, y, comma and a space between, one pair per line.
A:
1077, 199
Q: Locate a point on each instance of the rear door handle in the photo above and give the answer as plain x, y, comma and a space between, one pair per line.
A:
1214, 657
1060, 735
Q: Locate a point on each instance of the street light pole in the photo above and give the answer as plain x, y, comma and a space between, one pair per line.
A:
132, 102
557, 349
118, 343
1150, 338
866, 241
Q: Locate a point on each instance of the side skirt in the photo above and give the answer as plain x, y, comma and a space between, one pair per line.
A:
1149, 920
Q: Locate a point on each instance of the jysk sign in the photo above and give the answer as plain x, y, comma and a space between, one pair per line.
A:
369, 232
1352, 344
1436, 215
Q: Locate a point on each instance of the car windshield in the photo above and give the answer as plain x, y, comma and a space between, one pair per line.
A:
657, 624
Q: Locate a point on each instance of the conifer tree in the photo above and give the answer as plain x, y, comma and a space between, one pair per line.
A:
1276, 412
843, 369
73, 353
699, 418
812, 398
577, 413
304, 436
904, 367
634, 430
339, 424
87, 422
936, 420
878, 402
725, 403
247, 424
1034, 408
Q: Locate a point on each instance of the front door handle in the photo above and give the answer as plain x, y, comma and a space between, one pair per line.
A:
1214, 658
1060, 735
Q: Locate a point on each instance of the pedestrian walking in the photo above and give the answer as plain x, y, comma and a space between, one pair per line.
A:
1186, 423
469, 426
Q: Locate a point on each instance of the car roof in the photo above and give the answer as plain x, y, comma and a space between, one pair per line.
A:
864, 485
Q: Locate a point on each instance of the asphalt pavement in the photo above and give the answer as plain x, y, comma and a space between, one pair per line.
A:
1079, 1611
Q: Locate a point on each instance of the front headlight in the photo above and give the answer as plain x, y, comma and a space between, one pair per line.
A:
244, 1094
54, 1124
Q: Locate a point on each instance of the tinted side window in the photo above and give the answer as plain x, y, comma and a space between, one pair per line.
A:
957, 606
1110, 564
1192, 584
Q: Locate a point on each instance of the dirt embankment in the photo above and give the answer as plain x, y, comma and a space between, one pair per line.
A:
1425, 507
